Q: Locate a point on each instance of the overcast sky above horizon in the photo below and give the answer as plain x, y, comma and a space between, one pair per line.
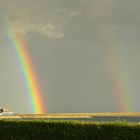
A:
79, 49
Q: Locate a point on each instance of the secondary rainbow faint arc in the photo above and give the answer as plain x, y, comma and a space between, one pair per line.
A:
116, 61
27, 72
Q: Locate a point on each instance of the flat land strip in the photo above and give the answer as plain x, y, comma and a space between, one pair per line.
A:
70, 115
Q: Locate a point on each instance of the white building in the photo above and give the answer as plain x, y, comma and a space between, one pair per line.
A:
5, 111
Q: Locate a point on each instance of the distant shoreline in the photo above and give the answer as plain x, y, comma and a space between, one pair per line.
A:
75, 115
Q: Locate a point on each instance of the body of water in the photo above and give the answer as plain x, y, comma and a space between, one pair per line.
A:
132, 119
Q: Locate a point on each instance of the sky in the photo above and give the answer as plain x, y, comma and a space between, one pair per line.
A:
85, 54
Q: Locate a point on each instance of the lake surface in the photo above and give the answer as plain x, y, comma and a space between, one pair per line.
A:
133, 119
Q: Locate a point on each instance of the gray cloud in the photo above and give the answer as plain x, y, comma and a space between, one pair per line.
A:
25, 25
114, 12
76, 39
48, 29
35, 19
42, 18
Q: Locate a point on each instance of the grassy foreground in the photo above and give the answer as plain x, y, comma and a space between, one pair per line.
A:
67, 130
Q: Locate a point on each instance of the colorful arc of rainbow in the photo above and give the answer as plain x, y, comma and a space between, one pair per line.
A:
121, 80
117, 66
27, 72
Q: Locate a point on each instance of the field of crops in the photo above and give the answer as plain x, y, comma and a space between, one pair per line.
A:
67, 130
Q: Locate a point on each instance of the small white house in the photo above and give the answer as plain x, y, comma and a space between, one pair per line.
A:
5, 112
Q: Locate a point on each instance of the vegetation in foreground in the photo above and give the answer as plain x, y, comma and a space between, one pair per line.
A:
67, 130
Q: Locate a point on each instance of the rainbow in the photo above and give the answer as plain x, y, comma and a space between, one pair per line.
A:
116, 62
121, 80
18, 45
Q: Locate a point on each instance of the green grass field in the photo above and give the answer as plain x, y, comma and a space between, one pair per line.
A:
67, 130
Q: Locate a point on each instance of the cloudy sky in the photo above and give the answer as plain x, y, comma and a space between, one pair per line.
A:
85, 54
